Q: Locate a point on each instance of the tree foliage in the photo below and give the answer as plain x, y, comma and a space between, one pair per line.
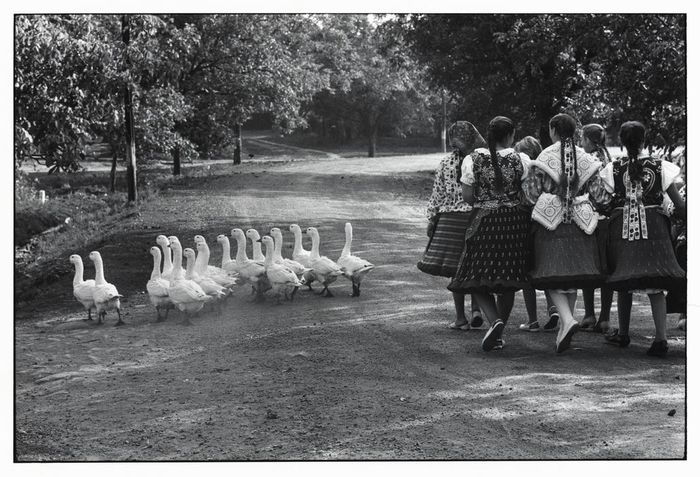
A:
607, 68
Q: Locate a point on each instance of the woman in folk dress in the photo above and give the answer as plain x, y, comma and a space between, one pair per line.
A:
566, 254
496, 253
640, 251
448, 217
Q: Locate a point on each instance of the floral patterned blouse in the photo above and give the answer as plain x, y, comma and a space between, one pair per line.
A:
477, 171
447, 191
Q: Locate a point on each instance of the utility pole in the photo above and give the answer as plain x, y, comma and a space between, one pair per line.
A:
129, 120
237, 144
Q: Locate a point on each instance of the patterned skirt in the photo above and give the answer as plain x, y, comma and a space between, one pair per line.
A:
497, 252
643, 264
566, 258
441, 256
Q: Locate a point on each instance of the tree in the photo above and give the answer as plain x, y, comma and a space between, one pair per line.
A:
530, 67
374, 84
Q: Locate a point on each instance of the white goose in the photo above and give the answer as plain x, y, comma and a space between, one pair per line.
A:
254, 237
293, 265
248, 269
282, 279
83, 290
164, 243
354, 268
325, 270
105, 294
209, 286
226, 262
300, 255
187, 295
157, 287
202, 267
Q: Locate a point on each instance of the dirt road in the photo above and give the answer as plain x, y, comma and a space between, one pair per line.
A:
375, 377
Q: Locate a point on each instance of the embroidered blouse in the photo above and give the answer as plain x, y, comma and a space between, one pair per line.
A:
478, 172
447, 193
577, 205
634, 196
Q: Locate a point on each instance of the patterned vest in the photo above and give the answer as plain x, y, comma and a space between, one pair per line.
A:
485, 193
633, 196
651, 191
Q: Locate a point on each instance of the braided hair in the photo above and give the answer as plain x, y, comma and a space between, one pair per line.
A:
499, 129
596, 134
632, 134
565, 127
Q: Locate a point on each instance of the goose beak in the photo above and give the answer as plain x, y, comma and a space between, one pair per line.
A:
259, 240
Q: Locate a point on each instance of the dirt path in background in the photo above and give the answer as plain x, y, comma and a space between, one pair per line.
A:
375, 377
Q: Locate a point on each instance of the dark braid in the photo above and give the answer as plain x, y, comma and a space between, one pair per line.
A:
596, 134
632, 134
565, 127
500, 128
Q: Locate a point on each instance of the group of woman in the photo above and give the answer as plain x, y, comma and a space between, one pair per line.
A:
504, 218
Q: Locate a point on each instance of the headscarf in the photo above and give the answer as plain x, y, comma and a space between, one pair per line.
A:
468, 134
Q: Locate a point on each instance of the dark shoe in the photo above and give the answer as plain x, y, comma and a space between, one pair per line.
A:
601, 327
567, 333
492, 336
551, 325
477, 320
615, 338
588, 323
658, 349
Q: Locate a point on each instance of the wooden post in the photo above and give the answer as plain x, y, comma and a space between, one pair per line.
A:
129, 122
443, 131
113, 171
176, 161
237, 144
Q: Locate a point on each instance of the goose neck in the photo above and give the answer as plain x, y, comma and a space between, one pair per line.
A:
202, 260
99, 272
226, 256
297, 242
78, 277
177, 262
315, 245
241, 255
156, 267
348, 242
277, 251
189, 271
167, 258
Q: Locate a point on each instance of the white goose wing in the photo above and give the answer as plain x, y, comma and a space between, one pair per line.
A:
325, 266
186, 291
281, 275
352, 264
158, 287
295, 266
105, 293
303, 257
84, 292
251, 270
209, 286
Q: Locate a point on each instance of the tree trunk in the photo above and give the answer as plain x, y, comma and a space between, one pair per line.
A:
237, 145
176, 161
372, 142
113, 172
443, 131
129, 125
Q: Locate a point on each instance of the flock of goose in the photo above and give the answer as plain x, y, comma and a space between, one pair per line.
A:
189, 289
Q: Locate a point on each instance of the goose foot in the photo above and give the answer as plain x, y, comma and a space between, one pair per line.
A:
355, 290
291, 298
328, 293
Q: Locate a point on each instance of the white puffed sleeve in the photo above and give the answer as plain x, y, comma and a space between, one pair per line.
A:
467, 171
669, 173
526, 162
606, 176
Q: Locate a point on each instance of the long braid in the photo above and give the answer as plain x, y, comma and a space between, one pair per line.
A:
565, 127
499, 129
632, 135
595, 133
498, 180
